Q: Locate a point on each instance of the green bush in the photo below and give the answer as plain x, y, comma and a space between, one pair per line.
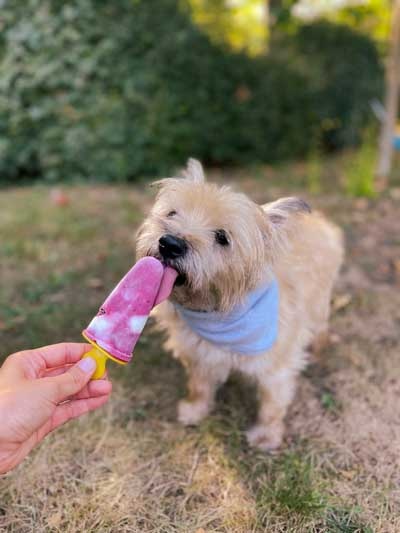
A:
114, 90
345, 74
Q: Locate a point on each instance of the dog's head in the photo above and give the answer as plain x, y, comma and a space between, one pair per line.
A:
221, 243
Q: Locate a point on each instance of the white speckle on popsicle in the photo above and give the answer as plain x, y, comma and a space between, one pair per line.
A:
137, 323
100, 324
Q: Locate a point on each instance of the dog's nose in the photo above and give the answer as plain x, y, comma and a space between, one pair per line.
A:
171, 247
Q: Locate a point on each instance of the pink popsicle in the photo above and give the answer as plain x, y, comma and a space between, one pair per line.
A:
122, 317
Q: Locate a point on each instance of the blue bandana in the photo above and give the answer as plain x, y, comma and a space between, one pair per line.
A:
251, 328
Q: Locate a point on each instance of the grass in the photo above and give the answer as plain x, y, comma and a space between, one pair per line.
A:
315, 164
131, 467
345, 521
360, 169
292, 488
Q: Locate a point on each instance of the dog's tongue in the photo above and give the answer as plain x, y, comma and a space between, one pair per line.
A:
167, 284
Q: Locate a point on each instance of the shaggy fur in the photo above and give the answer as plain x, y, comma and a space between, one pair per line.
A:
282, 239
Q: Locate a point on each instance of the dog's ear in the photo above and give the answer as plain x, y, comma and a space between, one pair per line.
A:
194, 171
280, 211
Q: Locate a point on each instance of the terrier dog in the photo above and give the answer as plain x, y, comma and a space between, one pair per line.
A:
253, 291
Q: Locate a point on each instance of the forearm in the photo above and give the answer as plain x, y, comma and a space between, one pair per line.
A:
7, 448
16, 437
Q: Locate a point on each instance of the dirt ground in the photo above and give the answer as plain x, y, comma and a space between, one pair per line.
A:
131, 467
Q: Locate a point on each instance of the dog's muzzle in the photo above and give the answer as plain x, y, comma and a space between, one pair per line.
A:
171, 249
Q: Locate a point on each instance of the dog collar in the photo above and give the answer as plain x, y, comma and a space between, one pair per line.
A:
251, 328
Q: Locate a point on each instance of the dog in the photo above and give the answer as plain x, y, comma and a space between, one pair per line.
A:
253, 291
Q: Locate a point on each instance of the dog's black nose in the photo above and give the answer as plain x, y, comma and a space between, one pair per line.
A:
172, 247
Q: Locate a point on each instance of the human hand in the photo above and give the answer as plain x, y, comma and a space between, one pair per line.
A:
40, 390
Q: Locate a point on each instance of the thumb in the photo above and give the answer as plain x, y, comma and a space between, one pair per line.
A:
72, 381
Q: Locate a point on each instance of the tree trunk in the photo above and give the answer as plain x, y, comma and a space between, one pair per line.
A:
271, 10
391, 98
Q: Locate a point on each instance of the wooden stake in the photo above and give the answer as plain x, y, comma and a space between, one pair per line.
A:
391, 98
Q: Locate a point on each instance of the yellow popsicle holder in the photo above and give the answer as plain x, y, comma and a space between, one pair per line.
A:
100, 356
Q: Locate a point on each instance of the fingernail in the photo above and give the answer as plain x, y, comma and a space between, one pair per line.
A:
88, 365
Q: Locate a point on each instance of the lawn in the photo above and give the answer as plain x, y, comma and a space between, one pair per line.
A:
131, 467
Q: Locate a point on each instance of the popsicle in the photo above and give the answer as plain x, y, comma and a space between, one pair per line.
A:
116, 328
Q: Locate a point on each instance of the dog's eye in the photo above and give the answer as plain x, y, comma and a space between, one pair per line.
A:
171, 213
221, 237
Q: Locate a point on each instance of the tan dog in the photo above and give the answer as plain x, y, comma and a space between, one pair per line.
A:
225, 246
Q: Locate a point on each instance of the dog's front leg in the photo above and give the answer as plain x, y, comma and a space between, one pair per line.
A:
276, 391
203, 381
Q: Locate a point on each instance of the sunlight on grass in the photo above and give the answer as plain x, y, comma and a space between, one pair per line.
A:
360, 169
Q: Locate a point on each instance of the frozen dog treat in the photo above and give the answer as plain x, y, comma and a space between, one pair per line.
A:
116, 328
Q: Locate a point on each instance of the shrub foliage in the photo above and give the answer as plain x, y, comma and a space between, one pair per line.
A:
114, 90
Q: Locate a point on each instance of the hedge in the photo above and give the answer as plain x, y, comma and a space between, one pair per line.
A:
105, 90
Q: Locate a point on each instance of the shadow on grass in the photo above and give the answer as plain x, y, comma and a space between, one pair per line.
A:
158, 378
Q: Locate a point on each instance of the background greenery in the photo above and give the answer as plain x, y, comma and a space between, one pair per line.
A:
115, 90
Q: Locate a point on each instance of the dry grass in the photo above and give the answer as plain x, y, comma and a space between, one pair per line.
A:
131, 467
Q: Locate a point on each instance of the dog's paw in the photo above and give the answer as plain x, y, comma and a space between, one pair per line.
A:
265, 438
191, 413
